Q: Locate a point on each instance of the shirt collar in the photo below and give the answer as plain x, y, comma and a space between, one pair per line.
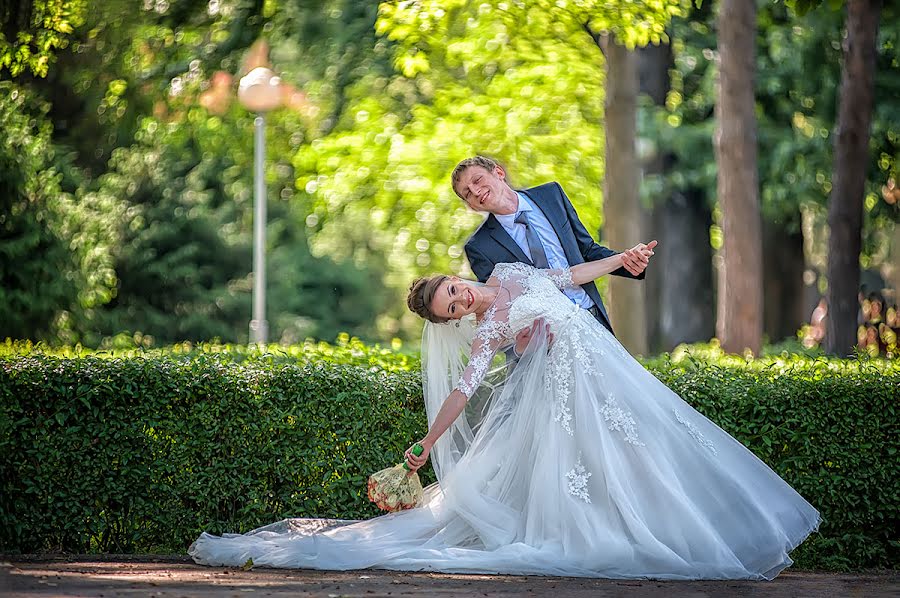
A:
509, 220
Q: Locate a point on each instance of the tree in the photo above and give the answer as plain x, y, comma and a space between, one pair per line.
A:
33, 252
850, 160
739, 319
54, 252
680, 218
31, 31
621, 190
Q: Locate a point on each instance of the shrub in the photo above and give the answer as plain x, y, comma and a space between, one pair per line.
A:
141, 452
827, 426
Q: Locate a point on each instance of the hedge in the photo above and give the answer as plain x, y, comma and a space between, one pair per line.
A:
828, 427
139, 455
106, 453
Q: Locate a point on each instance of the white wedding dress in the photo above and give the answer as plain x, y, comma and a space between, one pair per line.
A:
576, 461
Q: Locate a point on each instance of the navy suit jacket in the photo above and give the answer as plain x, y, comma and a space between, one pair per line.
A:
491, 244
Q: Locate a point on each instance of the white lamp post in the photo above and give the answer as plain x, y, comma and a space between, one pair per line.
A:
259, 91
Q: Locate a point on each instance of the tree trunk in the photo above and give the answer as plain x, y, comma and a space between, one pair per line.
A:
679, 279
784, 309
622, 209
739, 318
682, 269
851, 157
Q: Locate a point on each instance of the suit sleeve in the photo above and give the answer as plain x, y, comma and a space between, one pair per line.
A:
590, 249
481, 266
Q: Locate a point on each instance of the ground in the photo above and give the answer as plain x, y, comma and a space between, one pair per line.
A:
110, 576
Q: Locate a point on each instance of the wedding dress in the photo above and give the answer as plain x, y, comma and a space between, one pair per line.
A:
574, 461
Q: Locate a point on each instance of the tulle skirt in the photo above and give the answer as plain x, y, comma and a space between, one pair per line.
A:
585, 465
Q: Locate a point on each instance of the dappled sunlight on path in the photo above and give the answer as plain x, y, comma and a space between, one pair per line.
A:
176, 576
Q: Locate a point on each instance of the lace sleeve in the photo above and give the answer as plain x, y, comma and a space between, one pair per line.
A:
562, 278
492, 333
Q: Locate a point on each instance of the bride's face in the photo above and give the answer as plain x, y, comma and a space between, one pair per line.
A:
456, 298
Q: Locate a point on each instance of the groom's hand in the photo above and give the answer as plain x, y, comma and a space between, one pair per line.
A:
636, 259
524, 337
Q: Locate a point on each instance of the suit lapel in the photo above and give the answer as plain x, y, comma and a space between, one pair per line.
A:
500, 235
565, 236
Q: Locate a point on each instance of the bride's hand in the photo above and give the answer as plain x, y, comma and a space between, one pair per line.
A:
636, 259
415, 462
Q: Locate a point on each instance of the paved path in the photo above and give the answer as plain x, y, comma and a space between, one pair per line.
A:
177, 577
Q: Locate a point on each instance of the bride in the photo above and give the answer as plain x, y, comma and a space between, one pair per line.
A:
572, 460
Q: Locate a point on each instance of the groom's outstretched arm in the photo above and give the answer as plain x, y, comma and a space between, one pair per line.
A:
590, 249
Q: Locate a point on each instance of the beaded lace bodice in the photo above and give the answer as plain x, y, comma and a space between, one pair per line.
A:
526, 294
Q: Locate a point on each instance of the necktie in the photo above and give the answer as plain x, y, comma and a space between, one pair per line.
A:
538, 257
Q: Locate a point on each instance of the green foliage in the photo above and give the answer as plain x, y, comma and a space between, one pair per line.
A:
346, 350
369, 164
798, 70
183, 256
132, 450
124, 455
32, 30
826, 426
467, 82
172, 263
360, 199
163, 236
37, 273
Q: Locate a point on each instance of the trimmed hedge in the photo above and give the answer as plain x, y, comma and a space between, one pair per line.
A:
140, 454
828, 427
346, 350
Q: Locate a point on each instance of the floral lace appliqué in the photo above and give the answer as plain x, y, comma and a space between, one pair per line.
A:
695, 433
561, 278
620, 420
578, 481
558, 383
489, 332
505, 271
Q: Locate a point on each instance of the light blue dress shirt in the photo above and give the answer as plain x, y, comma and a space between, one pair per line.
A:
556, 257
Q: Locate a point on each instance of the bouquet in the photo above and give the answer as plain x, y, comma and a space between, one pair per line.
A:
396, 488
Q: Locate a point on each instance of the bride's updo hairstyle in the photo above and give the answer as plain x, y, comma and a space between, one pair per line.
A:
421, 294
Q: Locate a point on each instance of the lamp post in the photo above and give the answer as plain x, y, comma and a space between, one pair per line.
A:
260, 92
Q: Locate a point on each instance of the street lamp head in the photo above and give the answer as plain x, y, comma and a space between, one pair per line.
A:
260, 90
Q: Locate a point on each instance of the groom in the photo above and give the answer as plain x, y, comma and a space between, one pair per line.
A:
537, 226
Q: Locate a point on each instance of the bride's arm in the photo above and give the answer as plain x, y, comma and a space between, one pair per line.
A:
450, 410
489, 337
588, 271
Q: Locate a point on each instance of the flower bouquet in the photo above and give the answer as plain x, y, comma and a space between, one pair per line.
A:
396, 488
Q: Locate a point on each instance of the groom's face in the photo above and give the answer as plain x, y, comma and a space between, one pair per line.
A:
485, 190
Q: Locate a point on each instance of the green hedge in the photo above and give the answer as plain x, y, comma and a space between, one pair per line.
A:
828, 427
346, 350
141, 453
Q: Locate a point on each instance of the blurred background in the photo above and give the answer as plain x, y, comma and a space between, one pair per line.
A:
126, 163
